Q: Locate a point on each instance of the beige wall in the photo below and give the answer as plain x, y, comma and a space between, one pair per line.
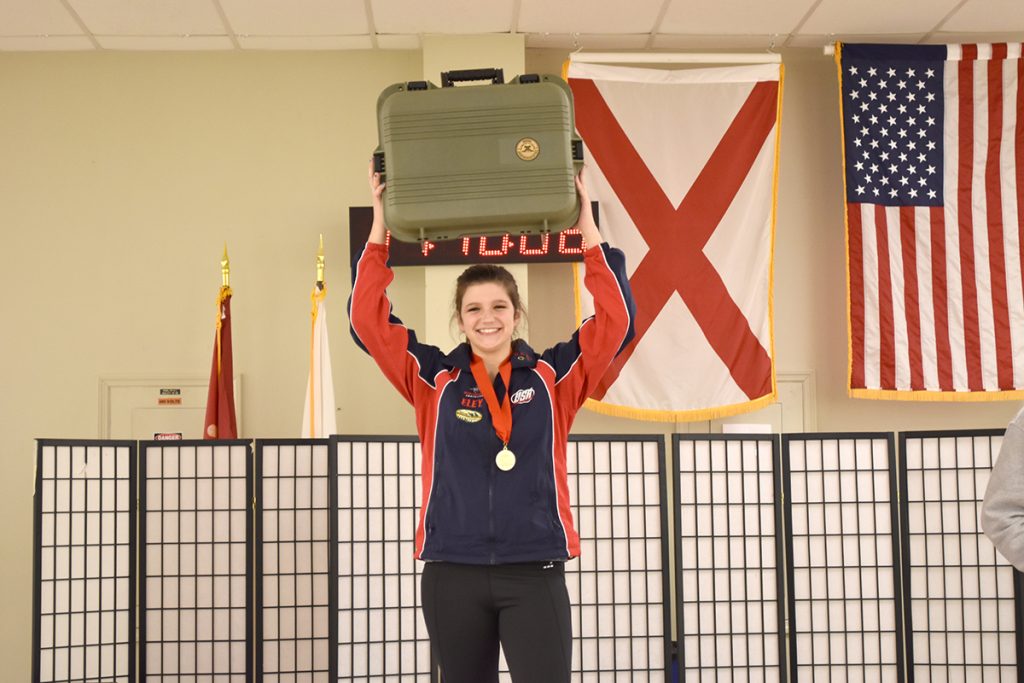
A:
122, 175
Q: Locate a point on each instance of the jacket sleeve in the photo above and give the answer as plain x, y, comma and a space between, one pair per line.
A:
408, 364
1002, 512
581, 362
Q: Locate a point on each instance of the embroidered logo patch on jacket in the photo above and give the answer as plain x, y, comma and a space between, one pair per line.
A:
522, 396
468, 415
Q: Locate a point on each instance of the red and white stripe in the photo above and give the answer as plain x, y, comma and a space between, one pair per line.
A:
936, 293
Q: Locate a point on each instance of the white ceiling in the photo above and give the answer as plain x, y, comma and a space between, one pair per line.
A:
29, 25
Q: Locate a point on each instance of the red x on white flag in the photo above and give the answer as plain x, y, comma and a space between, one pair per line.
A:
684, 167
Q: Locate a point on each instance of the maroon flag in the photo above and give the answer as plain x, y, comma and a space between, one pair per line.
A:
934, 172
220, 400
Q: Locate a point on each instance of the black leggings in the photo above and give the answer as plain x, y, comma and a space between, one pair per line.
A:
469, 609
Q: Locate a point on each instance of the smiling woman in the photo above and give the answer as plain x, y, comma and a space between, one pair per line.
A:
488, 310
493, 418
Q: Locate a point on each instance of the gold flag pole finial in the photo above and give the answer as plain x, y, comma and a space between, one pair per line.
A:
225, 268
320, 262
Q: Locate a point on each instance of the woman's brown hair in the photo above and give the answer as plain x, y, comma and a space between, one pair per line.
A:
486, 272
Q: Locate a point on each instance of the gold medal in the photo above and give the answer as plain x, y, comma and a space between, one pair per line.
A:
505, 460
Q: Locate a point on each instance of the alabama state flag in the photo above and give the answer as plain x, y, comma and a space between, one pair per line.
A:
684, 167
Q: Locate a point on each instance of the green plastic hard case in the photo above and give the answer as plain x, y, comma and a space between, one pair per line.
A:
478, 159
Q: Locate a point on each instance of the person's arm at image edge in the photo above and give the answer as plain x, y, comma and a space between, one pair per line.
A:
1002, 512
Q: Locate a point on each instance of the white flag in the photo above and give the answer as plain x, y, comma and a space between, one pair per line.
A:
318, 417
683, 166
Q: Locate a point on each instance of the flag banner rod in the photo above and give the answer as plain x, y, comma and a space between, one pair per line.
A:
1012, 53
676, 58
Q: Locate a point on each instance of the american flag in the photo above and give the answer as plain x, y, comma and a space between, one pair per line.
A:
934, 155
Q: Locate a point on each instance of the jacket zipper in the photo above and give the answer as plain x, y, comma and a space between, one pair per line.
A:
490, 511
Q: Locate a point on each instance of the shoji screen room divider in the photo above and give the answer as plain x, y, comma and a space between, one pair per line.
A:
295, 567
292, 561
963, 600
84, 614
729, 561
195, 561
618, 588
843, 549
802, 557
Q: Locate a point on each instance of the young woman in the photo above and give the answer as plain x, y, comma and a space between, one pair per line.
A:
493, 417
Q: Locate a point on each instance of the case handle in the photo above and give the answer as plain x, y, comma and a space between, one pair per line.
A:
450, 78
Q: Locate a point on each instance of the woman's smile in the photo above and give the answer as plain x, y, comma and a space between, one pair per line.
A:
488, 319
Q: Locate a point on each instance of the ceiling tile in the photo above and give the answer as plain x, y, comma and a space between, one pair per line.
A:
940, 37
602, 25
398, 41
877, 17
45, 43
296, 17
581, 16
170, 43
589, 41
36, 18
811, 40
305, 42
149, 17
717, 42
728, 17
455, 17
990, 15
985, 37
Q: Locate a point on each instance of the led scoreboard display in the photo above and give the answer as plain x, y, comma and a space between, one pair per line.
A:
561, 247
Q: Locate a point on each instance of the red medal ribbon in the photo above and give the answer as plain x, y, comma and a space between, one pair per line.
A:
501, 415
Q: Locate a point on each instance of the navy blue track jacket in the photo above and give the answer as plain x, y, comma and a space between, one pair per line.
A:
472, 512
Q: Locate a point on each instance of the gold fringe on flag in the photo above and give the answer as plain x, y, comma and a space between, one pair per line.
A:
222, 296
317, 297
